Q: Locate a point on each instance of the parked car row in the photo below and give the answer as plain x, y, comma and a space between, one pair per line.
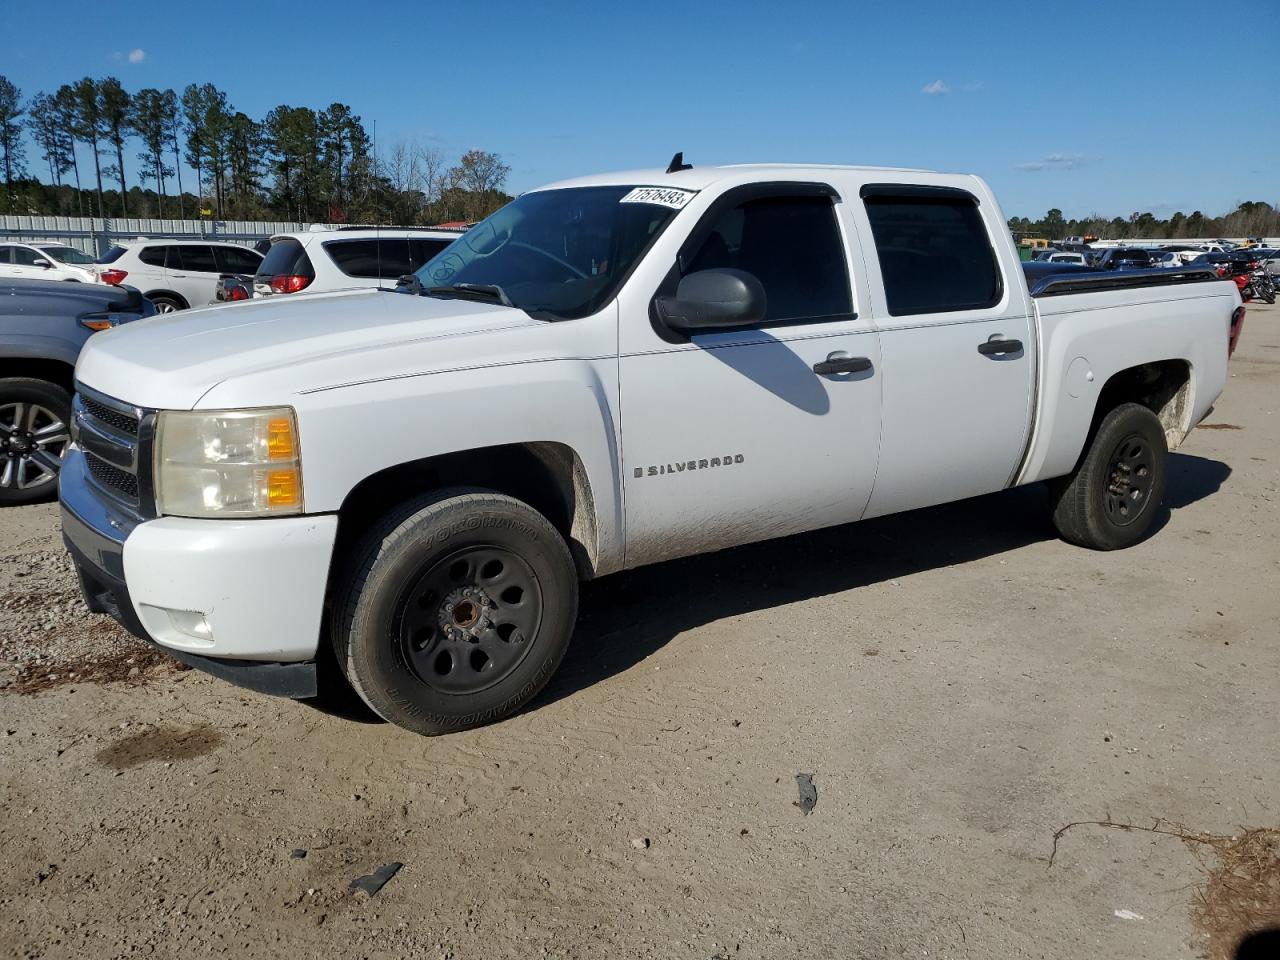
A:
45, 261
178, 274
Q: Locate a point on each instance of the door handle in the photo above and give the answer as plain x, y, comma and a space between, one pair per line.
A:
996, 347
841, 363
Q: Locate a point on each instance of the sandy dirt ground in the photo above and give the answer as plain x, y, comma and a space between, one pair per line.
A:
958, 683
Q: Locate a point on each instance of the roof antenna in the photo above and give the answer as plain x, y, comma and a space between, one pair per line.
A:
677, 163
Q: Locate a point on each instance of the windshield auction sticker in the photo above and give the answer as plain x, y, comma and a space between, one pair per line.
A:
662, 196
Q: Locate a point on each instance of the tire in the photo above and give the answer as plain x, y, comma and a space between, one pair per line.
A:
1114, 495
455, 611
35, 430
167, 304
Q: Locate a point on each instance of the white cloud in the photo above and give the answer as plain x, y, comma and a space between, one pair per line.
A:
137, 55
1054, 161
937, 88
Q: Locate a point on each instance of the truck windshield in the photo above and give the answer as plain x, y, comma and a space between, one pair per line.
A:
560, 252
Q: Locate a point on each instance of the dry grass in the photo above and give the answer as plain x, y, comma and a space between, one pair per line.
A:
1241, 893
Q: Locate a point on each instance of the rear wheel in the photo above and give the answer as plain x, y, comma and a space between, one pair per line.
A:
35, 418
166, 304
1112, 498
457, 610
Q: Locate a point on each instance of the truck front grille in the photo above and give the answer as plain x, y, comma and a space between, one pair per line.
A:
115, 438
124, 422
113, 478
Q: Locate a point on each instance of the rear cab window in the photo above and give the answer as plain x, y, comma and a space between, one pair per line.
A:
934, 250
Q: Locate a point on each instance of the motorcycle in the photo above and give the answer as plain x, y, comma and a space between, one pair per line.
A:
1258, 285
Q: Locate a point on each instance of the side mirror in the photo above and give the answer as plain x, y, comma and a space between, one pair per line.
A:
44, 264
716, 299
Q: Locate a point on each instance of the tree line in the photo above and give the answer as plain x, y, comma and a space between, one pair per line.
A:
1250, 219
296, 163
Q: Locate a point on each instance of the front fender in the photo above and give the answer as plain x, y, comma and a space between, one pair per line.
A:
38, 347
350, 433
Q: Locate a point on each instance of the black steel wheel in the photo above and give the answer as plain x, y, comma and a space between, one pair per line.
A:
454, 610
1130, 476
35, 418
1112, 498
466, 623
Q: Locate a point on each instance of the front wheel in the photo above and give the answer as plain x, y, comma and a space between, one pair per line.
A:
456, 610
1112, 498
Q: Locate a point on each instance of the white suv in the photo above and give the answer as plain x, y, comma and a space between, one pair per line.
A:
46, 261
175, 274
321, 260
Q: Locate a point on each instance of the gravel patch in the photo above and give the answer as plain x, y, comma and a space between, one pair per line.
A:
48, 637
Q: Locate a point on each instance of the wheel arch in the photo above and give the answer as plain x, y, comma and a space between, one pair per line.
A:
58, 372
1162, 386
548, 476
170, 294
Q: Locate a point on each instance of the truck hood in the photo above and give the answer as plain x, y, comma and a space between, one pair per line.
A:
171, 361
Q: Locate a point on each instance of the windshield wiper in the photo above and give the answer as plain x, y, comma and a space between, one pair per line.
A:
490, 291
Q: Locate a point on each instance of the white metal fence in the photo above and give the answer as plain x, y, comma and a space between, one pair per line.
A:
95, 235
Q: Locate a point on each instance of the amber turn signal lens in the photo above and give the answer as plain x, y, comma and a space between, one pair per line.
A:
280, 444
283, 488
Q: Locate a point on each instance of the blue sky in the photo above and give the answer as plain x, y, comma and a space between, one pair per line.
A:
1106, 107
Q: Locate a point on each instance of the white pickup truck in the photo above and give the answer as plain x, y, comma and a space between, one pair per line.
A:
608, 372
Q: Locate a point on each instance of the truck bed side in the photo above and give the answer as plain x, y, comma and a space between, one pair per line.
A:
1090, 337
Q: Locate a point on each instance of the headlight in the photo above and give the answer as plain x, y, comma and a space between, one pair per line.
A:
228, 463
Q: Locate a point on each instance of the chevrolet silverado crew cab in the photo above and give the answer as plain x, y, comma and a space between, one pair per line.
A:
608, 372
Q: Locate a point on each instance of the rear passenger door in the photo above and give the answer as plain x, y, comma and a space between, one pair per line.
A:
957, 343
193, 272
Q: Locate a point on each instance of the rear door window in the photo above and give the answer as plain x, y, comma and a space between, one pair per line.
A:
382, 258
934, 251
197, 258
792, 245
237, 260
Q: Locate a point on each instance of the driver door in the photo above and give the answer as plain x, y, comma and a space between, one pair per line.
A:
732, 436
